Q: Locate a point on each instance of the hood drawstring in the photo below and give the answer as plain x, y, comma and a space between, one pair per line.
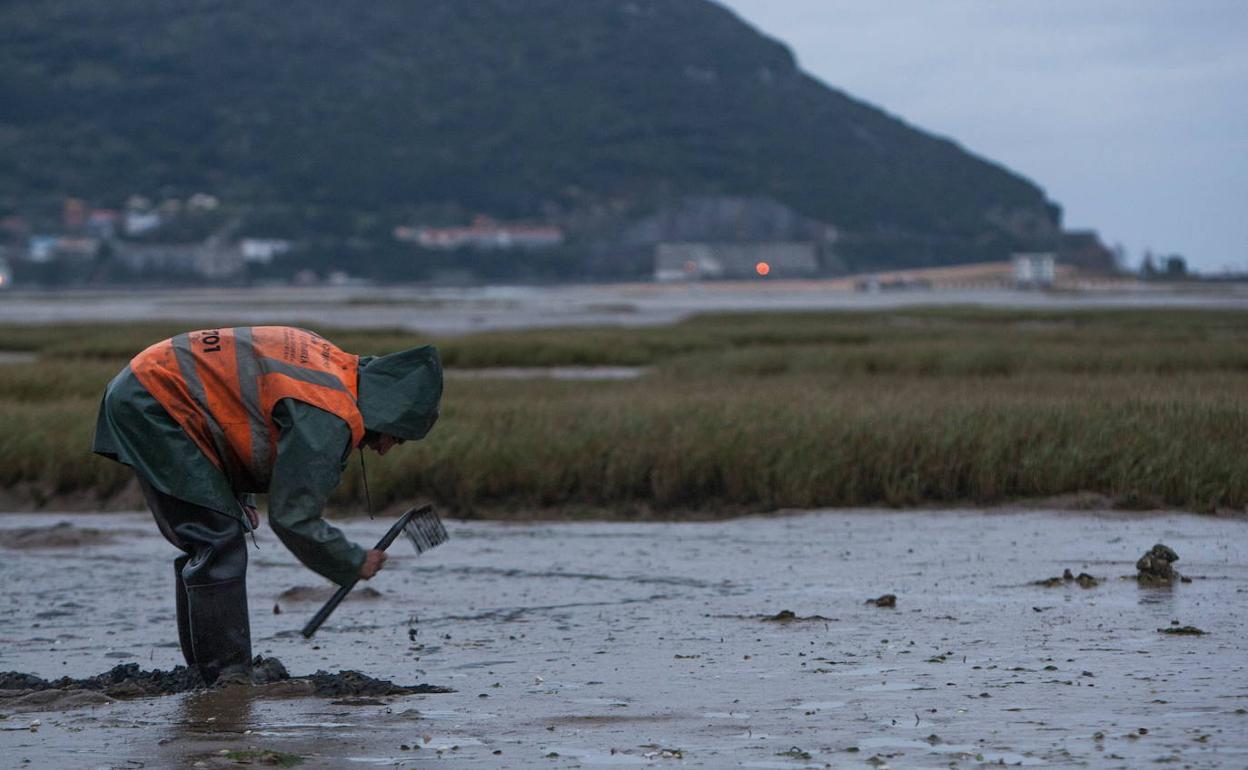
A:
364, 475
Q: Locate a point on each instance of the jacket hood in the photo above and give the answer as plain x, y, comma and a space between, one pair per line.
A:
400, 393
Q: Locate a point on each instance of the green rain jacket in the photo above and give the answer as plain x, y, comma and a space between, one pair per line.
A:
399, 395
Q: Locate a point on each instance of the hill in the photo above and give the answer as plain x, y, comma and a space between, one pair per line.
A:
338, 118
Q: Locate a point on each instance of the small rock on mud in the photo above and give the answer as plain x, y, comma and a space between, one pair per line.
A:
1155, 566
887, 600
59, 535
794, 752
1083, 580
789, 616
1183, 631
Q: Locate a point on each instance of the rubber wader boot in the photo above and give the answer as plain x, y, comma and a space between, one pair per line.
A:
184, 618
220, 628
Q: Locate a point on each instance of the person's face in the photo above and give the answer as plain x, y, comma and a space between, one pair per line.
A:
381, 442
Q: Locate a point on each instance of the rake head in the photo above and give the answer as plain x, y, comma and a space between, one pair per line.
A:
425, 530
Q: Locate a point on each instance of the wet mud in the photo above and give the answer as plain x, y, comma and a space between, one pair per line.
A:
63, 534
742, 643
322, 594
123, 681
129, 681
19, 701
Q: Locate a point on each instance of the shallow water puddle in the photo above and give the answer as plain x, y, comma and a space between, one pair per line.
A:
550, 372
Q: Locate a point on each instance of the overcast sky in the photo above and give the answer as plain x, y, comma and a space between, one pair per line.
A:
1132, 114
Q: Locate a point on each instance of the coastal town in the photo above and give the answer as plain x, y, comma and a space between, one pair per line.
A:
201, 240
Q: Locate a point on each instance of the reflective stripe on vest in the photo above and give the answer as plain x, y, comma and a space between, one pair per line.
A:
221, 386
186, 366
249, 389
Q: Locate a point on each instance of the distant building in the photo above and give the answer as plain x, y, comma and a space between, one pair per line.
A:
202, 202
975, 276
1033, 270
140, 222
41, 248
14, 228
708, 261
263, 250
483, 233
217, 261
73, 215
77, 247
49, 248
158, 257
102, 223
209, 259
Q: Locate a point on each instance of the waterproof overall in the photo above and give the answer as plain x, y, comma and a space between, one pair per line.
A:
210, 583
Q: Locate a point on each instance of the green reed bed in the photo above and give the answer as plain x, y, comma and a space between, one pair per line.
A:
751, 412
804, 444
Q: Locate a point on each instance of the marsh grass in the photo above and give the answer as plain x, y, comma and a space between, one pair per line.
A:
752, 412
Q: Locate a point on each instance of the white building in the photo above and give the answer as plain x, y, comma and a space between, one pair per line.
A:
139, 222
263, 250
484, 233
1035, 269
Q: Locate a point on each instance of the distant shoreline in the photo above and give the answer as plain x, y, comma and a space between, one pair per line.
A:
448, 311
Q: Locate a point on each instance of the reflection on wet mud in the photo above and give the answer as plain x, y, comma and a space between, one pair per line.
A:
1163, 595
203, 724
211, 712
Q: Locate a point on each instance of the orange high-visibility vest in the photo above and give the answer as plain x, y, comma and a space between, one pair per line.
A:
221, 386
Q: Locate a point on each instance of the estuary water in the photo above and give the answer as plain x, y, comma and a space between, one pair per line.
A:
446, 311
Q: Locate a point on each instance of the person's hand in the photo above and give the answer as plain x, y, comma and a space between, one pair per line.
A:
372, 563
252, 516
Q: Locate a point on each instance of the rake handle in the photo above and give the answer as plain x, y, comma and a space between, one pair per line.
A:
325, 611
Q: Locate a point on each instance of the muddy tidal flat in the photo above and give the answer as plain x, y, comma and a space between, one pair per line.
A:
741, 643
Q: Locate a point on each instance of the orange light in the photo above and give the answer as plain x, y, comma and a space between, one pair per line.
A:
762, 268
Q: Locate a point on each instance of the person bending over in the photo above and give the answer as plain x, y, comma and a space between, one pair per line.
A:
209, 417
